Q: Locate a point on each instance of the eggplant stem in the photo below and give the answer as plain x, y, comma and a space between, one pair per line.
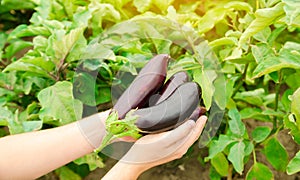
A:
106, 140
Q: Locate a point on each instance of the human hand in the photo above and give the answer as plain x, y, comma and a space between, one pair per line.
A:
155, 149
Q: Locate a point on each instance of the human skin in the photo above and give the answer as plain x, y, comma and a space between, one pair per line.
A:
156, 149
31, 155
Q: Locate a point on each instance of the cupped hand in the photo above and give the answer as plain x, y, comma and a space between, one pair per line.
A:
155, 149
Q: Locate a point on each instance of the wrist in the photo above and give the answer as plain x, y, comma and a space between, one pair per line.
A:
125, 171
93, 128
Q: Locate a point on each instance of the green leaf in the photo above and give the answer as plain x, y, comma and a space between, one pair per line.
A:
295, 106
290, 123
205, 80
286, 101
275, 33
253, 113
119, 128
289, 57
29, 126
220, 92
8, 80
7, 5
217, 146
58, 104
101, 12
77, 49
211, 17
15, 47
222, 42
262, 51
259, 171
82, 18
213, 174
84, 88
236, 156
294, 165
37, 65
259, 134
292, 81
92, 160
263, 18
188, 7
235, 124
33, 31
142, 5
276, 154
248, 147
292, 11
13, 35
64, 173
5, 116
73, 41
162, 46
220, 163
252, 97
3, 38
162, 5
103, 95
98, 51
29, 81
263, 35
241, 6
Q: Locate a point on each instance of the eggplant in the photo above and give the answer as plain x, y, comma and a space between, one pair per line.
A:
170, 86
148, 81
172, 112
199, 111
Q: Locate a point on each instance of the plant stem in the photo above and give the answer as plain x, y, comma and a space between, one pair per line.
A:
254, 156
106, 140
277, 91
229, 176
241, 81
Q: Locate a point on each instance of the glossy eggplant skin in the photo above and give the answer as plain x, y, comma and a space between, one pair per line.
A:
199, 111
170, 86
148, 81
170, 113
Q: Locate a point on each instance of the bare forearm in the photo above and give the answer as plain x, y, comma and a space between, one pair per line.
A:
30, 155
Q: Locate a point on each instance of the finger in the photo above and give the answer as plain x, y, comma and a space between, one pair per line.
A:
180, 133
195, 133
200, 124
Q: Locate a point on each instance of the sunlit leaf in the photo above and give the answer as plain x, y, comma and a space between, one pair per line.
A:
92, 160
65, 173
259, 134
204, 79
235, 124
294, 165
217, 146
220, 163
236, 156
295, 106
264, 18
58, 104
259, 171
276, 154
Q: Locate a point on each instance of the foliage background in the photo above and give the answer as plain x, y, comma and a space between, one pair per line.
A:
256, 43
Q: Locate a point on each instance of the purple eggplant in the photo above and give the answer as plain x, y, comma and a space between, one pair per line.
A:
170, 86
148, 81
199, 111
170, 113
